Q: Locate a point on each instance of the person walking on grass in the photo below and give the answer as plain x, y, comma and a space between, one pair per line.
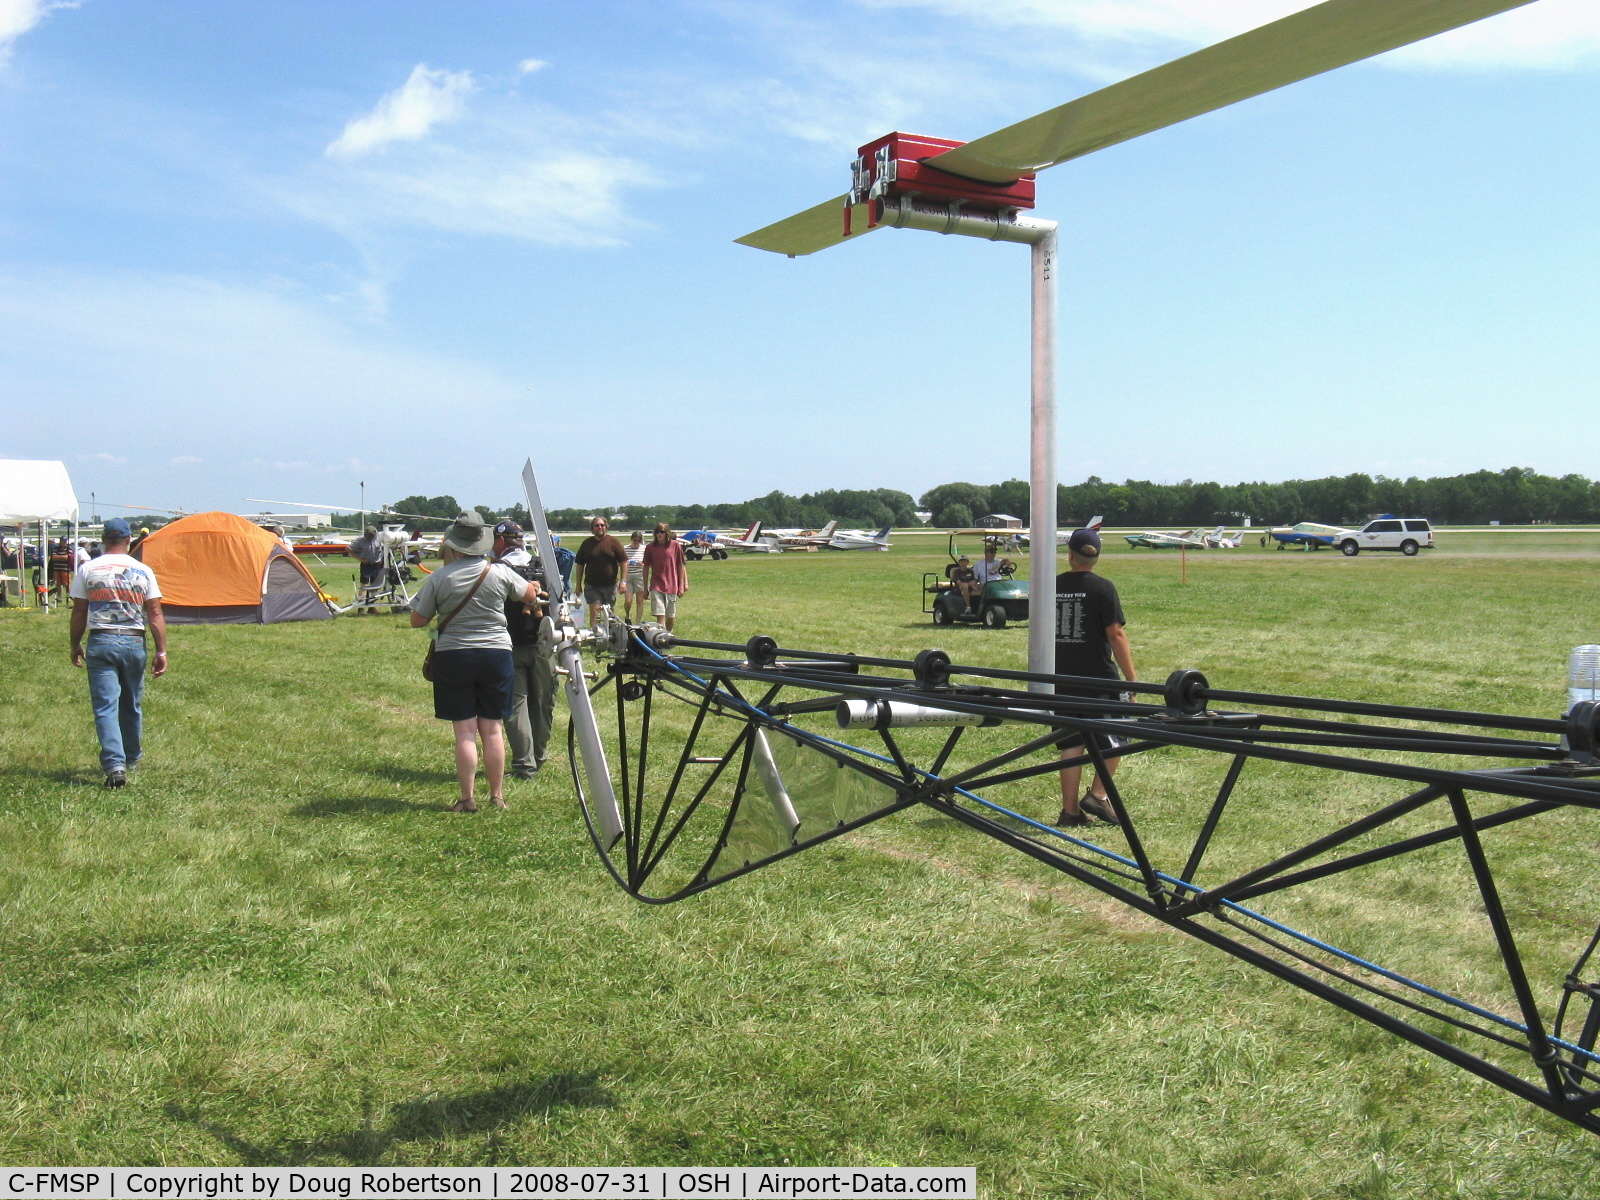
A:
633, 599
601, 561
472, 666
533, 681
1090, 640
114, 598
665, 575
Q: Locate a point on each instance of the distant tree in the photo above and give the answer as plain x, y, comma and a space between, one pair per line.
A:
1010, 497
954, 516
971, 498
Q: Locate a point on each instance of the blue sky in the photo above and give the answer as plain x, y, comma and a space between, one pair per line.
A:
273, 249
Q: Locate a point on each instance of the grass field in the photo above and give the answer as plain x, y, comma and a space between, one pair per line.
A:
274, 947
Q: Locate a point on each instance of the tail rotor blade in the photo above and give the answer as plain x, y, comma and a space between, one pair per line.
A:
1310, 42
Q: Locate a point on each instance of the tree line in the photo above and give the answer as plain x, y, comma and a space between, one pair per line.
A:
1515, 496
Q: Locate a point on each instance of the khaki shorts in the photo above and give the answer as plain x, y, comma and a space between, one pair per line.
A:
663, 604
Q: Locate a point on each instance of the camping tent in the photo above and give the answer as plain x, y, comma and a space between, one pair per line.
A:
218, 568
33, 492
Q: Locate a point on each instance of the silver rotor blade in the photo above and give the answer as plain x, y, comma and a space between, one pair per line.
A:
376, 512
541, 536
807, 232
1310, 42
601, 796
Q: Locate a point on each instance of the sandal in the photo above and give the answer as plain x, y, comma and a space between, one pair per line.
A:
499, 801
463, 806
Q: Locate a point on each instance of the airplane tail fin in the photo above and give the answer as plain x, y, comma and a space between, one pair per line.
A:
1094, 523
753, 532
883, 534
827, 530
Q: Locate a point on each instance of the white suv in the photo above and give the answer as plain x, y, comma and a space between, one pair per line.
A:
1407, 535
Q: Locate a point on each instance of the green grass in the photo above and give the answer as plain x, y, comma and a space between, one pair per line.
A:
275, 948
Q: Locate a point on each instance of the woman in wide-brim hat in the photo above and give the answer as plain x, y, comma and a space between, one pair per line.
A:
472, 669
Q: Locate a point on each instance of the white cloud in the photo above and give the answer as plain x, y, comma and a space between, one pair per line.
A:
183, 460
17, 17
561, 197
529, 65
1545, 34
407, 114
104, 456
1190, 21
514, 167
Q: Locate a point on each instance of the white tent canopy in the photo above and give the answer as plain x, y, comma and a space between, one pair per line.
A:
35, 490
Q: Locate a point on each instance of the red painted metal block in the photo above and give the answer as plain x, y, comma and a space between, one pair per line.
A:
893, 166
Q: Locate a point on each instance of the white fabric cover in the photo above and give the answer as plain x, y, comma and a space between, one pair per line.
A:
35, 490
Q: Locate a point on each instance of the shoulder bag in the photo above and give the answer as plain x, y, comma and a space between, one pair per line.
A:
427, 659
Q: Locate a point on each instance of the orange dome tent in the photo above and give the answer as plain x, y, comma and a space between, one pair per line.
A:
218, 568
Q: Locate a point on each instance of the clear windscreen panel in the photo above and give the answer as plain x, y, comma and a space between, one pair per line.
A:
704, 791
794, 793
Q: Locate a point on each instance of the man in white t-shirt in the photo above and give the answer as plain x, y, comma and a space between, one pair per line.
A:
989, 566
114, 598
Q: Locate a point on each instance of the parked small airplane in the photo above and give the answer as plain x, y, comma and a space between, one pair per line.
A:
805, 539
1309, 535
1189, 539
1062, 535
709, 543
1219, 540
857, 539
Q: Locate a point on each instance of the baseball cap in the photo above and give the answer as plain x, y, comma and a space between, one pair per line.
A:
509, 530
1085, 542
118, 529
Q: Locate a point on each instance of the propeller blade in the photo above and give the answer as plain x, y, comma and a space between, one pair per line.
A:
1306, 43
806, 233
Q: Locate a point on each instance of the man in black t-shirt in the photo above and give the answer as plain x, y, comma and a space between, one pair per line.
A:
1090, 641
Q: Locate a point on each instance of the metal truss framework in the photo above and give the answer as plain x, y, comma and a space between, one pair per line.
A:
723, 764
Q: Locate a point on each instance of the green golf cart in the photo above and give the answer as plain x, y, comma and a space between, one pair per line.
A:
992, 604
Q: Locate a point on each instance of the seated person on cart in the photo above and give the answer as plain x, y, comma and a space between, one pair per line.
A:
963, 579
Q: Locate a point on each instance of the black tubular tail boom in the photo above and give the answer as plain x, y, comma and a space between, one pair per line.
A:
1055, 731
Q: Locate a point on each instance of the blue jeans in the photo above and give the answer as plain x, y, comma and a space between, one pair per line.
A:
115, 664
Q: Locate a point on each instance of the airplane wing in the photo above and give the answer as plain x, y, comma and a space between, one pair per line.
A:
1310, 42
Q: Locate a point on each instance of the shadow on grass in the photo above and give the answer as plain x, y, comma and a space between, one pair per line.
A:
445, 772
956, 626
430, 1119
80, 776
345, 806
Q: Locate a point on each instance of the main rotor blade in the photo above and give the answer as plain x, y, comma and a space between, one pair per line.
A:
806, 233
1306, 43
377, 512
